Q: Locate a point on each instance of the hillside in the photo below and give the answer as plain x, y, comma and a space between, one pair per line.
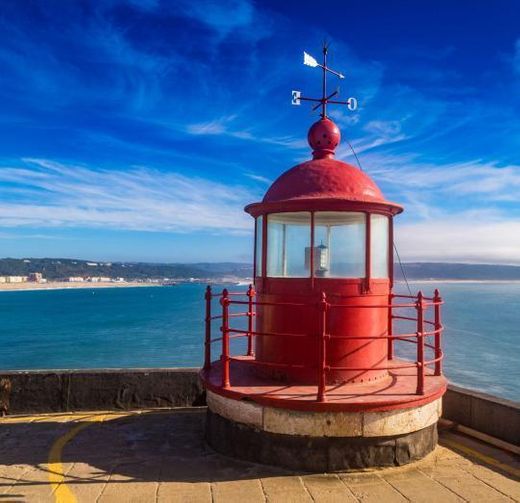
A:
57, 269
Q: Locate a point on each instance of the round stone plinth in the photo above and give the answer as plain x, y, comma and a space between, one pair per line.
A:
320, 441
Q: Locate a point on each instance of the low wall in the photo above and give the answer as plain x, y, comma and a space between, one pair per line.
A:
25, 392
488, 414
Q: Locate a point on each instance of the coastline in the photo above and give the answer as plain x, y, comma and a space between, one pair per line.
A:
65, 285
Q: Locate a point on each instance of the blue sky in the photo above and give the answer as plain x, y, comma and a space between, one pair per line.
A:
138, 130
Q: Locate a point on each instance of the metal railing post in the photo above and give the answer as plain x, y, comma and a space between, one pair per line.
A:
390, 328
250, 314
322, 349
438, 327
225, 338
420, 344
207, 340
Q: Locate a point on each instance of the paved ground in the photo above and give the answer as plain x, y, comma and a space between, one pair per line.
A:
161, 456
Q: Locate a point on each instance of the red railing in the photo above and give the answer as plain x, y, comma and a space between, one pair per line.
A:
419, 303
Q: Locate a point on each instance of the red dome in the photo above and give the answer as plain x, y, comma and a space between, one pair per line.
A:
324, 179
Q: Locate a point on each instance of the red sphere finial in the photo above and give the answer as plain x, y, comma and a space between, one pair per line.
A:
323, 137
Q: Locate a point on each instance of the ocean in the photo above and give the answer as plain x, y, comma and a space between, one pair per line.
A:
163, 327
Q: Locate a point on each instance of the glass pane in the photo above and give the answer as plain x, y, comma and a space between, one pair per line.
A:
379, 246
339, 244
258, 251
288, 238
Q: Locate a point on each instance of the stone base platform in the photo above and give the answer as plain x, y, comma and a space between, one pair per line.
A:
320, 441
316, 454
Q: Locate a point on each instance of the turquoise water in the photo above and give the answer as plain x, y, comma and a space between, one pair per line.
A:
163, 327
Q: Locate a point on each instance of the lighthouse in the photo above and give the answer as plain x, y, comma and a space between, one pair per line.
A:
337, 370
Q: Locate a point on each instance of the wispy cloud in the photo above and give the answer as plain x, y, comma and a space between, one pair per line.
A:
259, 178
223, 16
466, 237
223, 126
45, 193
472, 178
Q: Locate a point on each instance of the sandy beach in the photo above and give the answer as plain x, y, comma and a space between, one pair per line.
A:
61, 285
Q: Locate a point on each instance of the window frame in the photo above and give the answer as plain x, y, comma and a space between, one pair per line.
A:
368, 254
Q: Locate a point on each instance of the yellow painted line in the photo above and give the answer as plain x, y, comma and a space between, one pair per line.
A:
62, 492
482, 457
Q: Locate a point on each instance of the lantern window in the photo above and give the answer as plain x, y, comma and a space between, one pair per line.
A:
339, 244
379, 243
288, 236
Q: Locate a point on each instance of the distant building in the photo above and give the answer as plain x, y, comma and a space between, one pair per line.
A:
92, 264
35, 277
99, 279
76, 279
13, 279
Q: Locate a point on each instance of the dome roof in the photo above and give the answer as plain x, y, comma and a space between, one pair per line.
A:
324, 179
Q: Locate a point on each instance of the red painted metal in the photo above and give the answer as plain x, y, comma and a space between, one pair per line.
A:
391, 251
255, 258
420, 344
225, 301
250, 316
322, 180
323, 137
322, 365
438, 332
390, 329
284, 307
397, 393
368, 252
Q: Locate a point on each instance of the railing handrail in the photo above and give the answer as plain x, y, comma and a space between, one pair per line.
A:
419, 337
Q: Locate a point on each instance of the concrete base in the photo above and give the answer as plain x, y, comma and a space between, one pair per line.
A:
316, 454
320, 441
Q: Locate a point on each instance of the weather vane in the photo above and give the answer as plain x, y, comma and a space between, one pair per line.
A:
297, 97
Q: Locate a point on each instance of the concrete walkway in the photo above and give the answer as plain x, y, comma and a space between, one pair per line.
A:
161, 456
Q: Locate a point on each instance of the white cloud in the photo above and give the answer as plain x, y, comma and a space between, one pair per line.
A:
222, 127
471, 178
223, 16
49, 194
461, 238
259, 178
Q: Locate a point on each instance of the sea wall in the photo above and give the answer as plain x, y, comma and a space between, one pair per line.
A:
26, 392
497, 417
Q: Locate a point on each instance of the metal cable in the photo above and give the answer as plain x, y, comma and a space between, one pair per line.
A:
402, 269
355, 155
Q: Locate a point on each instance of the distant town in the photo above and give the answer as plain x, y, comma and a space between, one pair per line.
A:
72, 273
75, 273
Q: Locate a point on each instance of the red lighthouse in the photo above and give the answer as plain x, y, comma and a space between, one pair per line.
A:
320, 387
